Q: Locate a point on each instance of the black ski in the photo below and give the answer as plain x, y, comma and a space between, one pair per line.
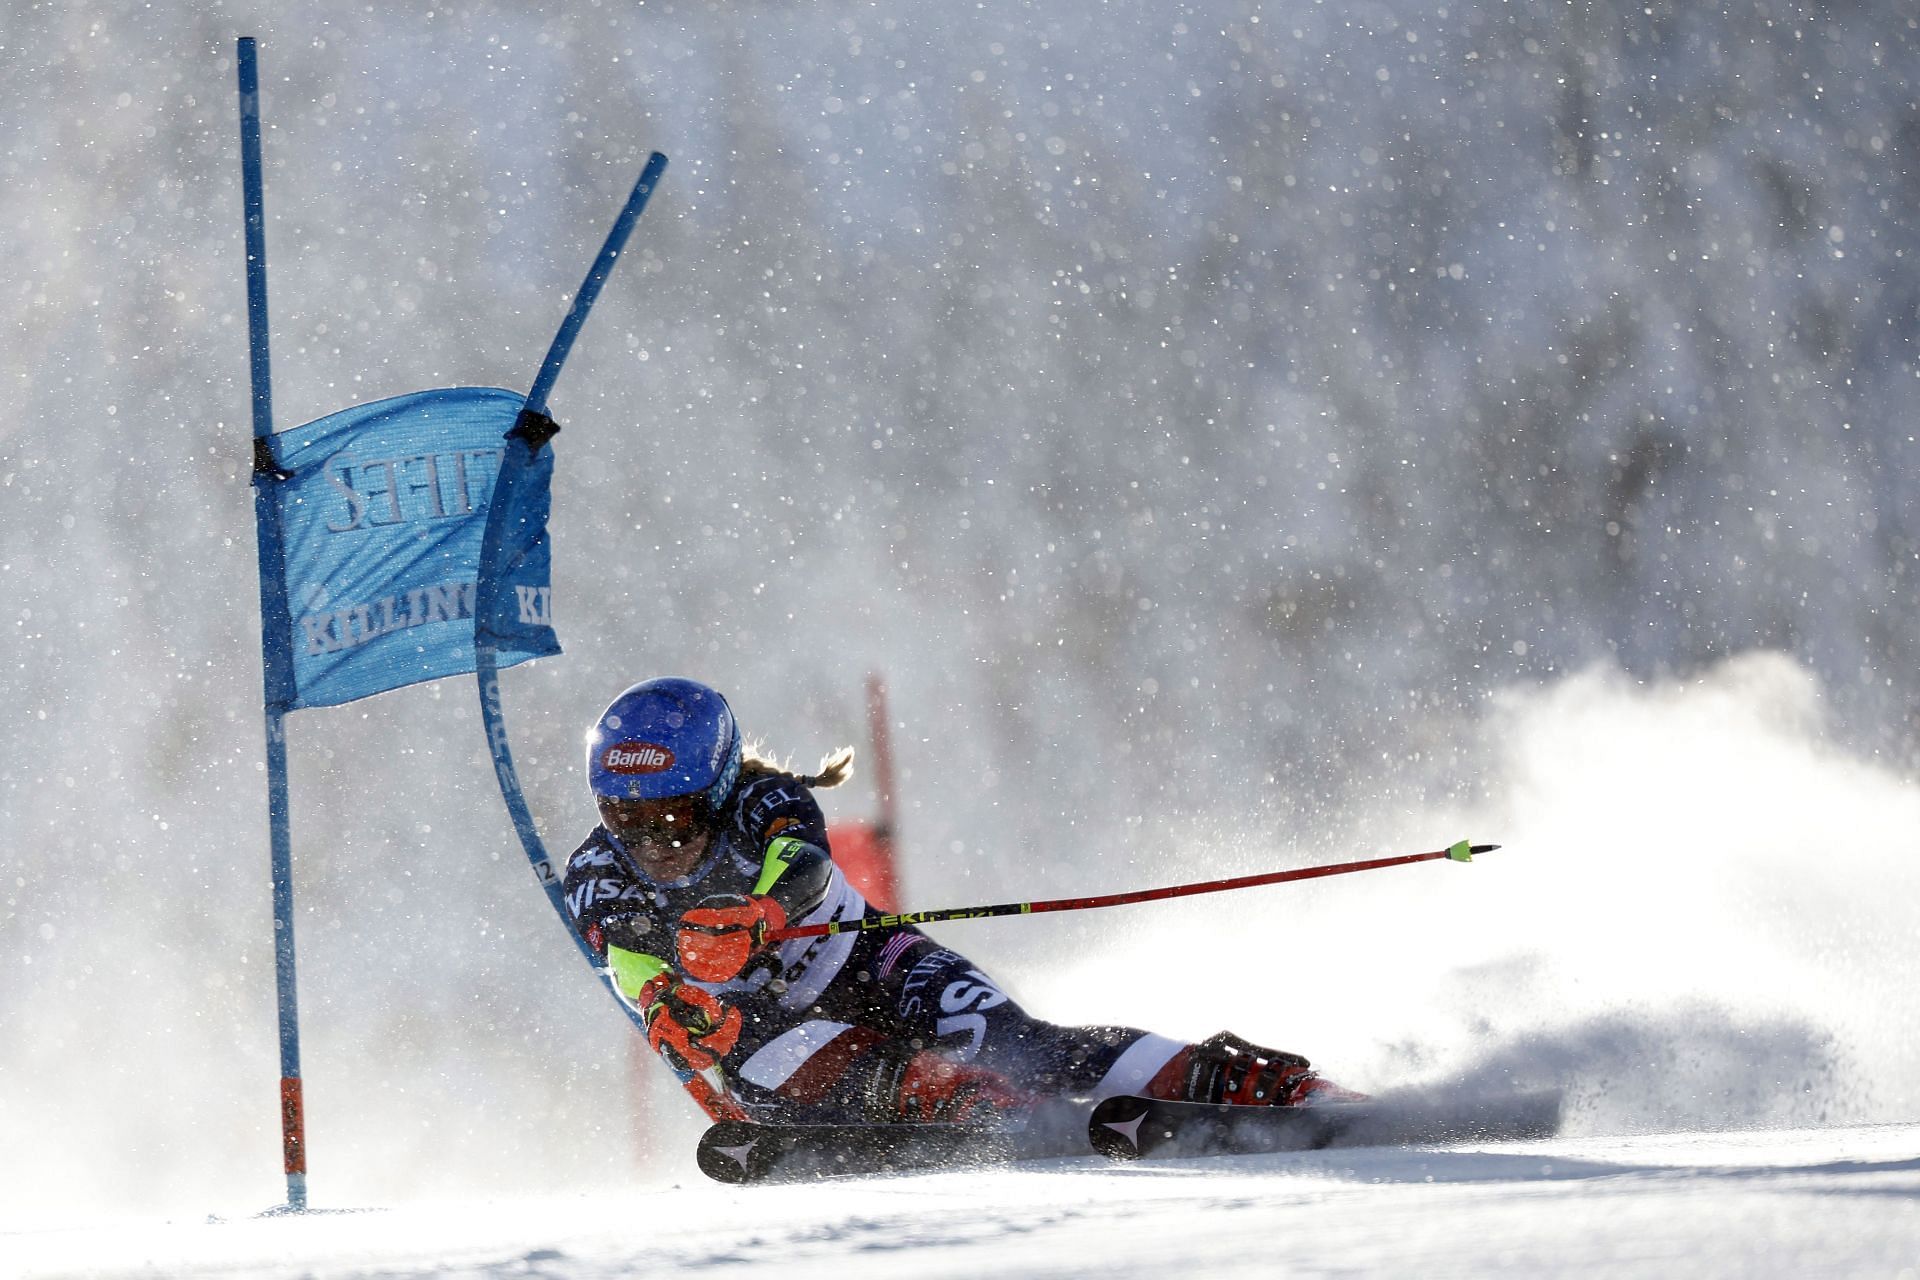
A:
738, 1151
1120, 1128
1127, 1127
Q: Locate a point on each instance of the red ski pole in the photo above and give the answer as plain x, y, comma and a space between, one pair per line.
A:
1461, 852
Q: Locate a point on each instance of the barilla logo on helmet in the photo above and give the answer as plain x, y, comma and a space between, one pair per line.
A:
636, 757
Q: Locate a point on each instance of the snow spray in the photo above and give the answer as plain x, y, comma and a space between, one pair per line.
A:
1701, 917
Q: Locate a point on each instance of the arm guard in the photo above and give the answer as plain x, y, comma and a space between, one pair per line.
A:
796, 874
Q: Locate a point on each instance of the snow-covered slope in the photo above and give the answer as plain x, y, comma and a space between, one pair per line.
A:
1837, 1202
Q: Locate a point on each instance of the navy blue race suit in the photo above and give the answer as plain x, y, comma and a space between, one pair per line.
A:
828, 1020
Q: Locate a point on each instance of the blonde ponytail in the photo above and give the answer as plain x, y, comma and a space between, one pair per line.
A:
835, 768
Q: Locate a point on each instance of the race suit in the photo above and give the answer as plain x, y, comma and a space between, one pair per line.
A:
825, 1017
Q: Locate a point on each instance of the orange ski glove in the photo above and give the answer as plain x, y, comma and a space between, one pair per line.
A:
687, 1026
717, 938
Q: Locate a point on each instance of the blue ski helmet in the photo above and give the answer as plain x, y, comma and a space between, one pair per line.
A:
665, 738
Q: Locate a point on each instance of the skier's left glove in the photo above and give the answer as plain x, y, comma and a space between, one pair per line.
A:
717, 938
688, 1027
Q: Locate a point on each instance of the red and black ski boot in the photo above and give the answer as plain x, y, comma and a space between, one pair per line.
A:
1226, 1069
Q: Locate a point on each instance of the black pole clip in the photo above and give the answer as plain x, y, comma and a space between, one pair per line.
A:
264, 465
534, 427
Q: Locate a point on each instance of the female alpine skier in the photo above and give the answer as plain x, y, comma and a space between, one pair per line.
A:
704, 848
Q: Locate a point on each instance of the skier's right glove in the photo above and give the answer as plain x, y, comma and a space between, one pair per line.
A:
687, 1026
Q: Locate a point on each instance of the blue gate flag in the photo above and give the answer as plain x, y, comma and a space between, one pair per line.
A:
382, 508
514, 608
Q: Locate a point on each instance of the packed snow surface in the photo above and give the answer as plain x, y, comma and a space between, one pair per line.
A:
1761, 1203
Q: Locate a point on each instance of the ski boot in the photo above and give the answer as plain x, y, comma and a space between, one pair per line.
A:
1226, 1069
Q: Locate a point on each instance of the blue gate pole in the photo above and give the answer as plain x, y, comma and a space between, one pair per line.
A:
708, 1086
275, 642
596, 276
486, 662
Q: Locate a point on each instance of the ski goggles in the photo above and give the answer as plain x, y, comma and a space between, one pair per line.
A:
663, 823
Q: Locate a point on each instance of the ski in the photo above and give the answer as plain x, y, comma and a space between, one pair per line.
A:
743, 1151
1129, 1128
1121, 1128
